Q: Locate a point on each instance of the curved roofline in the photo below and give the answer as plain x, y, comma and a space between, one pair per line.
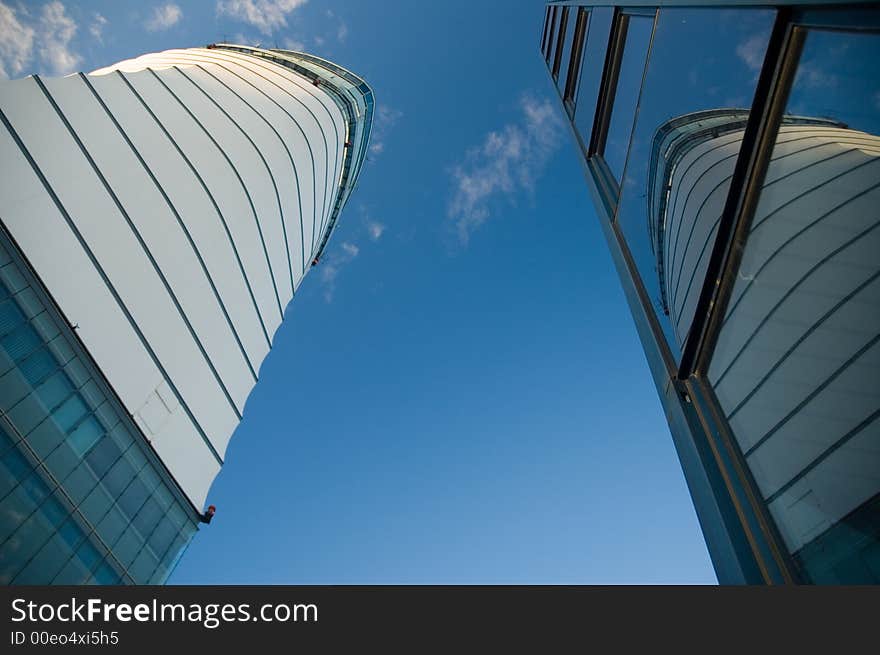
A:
352, 165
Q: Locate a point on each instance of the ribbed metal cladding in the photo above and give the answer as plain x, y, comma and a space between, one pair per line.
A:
172, 205
795, 364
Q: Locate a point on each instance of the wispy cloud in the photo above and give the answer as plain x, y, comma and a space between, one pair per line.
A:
96, 29
341, 28
384, 120
336, 259
266, 15
506, 164
246, 39
333, 263
16, 43
751, 51
56, 30
163, 17
46, 37
293, 44
814, 75
375, 229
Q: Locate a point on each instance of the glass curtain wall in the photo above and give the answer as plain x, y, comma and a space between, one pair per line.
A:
82, 501
791, 363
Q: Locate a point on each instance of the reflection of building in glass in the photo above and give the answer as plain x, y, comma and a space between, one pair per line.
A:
746, 241
793, 371
157, 218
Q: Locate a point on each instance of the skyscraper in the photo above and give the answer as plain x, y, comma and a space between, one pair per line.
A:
734, 160
157, 218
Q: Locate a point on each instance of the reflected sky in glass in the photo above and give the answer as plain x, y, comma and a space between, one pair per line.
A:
626, 98
677, 83
837, 79
598, 29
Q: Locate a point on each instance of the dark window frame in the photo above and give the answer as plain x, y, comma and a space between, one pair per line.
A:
574, 65
547, 14
607, 92
560, 42
549, 48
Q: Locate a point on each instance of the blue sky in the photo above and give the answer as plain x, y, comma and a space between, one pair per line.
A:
457, 394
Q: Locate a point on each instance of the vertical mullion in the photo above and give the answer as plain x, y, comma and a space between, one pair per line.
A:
774, 82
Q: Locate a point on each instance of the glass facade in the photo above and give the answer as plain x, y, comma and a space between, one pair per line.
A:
734, 156
797, 364
83, 500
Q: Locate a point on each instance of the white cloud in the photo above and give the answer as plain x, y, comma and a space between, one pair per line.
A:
16, 43
56, 31
332, 264
319, 40
751, 51
265, 15
384, 119
375, 229
96, 29
507, 163
293, 44
46, 36
342, 32
163, 17
814, 75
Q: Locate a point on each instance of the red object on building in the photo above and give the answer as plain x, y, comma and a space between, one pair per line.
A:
209, 514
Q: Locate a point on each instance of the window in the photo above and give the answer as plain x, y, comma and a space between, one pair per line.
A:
566, 52
548, 50
573, 69
591, 63
633, 36
559, 43
795, 364
546, 29
683, 148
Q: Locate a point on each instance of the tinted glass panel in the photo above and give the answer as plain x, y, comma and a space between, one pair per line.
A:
565, 59
592, 61
797, 364
68, 488
573, 73
546, 29
684, 147
563, 29
551, 34
632, 65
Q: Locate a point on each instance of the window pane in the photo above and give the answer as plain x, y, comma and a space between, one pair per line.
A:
684, 147
592, 61
796, 364
565, 59
573, 69
551, 34
546, 29
563, 28
626, 96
